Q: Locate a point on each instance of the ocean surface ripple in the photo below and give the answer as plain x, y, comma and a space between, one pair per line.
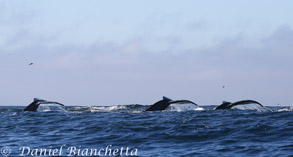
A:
188, 133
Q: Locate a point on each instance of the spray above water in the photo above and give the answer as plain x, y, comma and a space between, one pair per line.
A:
254, 107
183, 107
51, 108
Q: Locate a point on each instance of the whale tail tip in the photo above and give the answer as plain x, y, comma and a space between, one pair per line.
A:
166, 98
40, 100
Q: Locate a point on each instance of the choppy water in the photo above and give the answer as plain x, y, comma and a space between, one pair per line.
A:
117, 128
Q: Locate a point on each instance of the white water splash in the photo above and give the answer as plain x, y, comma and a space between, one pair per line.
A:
255, 107
107, 108
51, 108
183, 107
285, 109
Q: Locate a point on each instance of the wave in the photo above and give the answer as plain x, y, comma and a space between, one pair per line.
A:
285, 109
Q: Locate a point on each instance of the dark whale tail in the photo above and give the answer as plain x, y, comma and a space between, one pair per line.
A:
160, 105
229, 105
37, 102
163, 104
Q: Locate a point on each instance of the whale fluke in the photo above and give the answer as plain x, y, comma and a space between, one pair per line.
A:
183, 102
229, 105
160, 105
37, 102
163, 104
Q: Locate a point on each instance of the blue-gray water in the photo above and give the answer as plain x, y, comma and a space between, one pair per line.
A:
117, 128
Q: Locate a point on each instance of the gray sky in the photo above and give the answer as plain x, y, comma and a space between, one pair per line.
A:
90, 52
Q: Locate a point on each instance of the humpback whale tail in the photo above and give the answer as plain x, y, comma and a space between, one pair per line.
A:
229, 105
160, 105
37, 102
163, 104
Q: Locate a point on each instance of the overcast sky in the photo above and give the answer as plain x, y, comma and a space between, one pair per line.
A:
108, 52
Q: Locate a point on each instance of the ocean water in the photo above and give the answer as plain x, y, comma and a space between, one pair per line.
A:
126, 130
